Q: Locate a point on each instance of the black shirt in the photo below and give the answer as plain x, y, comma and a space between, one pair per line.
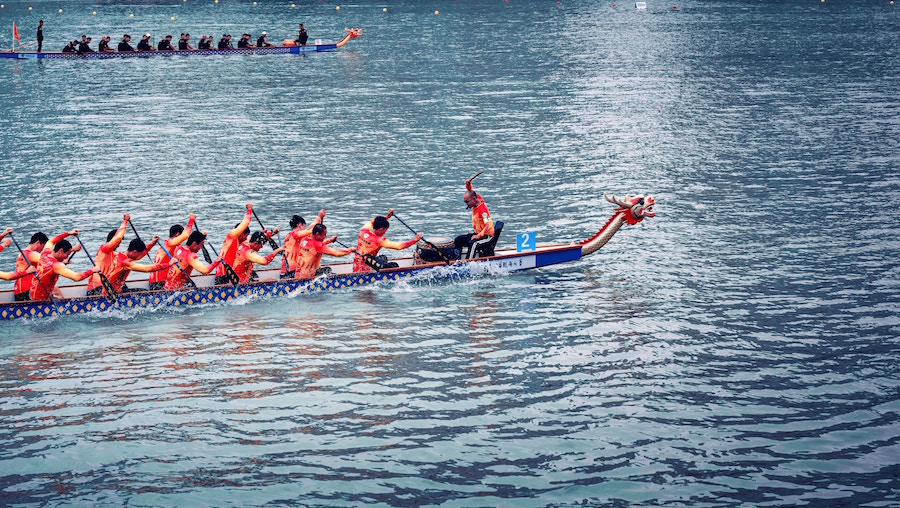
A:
242, 43
84, 48
68, 48
261, 42
40, 35
144, 45
223, 44
124, 46
203, 45
165, 45
182, 44
103, 46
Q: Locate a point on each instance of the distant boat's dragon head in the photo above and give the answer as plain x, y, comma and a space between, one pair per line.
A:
637, 208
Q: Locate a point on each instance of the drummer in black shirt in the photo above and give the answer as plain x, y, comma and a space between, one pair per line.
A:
262, 42
144, 44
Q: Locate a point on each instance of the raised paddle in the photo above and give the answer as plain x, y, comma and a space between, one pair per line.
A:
229, 271
433, 246
272, 242
111, 292
370, 260
49, 294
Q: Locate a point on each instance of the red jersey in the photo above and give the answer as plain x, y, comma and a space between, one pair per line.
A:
120, 270
178, 278
481, 217
48, 276
243, 262
104, 260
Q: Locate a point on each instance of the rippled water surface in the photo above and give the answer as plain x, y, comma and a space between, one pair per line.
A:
741, 348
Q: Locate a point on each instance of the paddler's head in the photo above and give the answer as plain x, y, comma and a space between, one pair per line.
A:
38, 240
319, 232
380, 225
257, 240
195, 241
135, 249
61, 250
175, 230
297, 222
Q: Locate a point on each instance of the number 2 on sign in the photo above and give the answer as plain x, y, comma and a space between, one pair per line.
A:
525, 241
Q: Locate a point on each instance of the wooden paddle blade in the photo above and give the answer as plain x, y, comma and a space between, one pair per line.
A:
232, 277
206, 255
110, 290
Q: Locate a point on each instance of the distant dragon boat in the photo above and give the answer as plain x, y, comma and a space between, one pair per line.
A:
352, 33
630, 210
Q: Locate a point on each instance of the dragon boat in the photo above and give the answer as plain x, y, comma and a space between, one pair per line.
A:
287, 48
525, 256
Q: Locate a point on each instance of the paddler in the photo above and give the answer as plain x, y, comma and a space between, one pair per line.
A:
177, 235
371, 240
52, 266
311, 250
230, 245
247, 255
185, 262
292, 243
126, 262
481, 219
11, 275
105, 255
36, 245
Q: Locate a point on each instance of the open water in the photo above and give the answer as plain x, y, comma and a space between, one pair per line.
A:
740, 349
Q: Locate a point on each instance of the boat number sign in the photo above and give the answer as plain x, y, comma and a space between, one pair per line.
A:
526, 241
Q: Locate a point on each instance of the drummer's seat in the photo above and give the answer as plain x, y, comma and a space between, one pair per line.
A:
485, 247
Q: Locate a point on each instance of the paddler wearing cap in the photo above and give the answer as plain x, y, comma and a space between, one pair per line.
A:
481, 218
262, 42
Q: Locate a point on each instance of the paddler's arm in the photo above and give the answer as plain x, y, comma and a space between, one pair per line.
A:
134, 266
336, 252
205, 269
236, 232
5, 243
256, 258
152, 244
16, 275
58, 238
388, 244
117, 239
63, 271
329, 240
178, 240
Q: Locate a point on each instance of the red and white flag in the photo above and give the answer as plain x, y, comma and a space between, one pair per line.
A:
15, 32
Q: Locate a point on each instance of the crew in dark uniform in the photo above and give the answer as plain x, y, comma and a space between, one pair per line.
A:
184, 44
144, 44
124, 46
204, 43
165, 44
85, 47
244, 42
104, 45
70, 47
262, 42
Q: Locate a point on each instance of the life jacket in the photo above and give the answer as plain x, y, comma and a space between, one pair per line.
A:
480, 217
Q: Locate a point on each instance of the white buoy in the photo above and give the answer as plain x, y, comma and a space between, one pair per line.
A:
384, 10
436, 13
60, 11
337, 8
94, 13
172, 18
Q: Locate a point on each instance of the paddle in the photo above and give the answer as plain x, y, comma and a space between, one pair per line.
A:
49, 294
111, 292
229, 271
433, 246
271, 242
368, 259
190, 280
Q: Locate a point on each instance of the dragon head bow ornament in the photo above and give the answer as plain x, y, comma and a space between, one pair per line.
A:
637, 207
